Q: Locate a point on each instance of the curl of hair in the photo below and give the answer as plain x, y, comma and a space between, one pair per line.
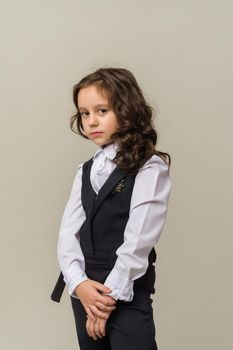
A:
137, 136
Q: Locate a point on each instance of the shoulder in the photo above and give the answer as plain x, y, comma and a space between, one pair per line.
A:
152, 183
152, 180
155, 163
79, 167
83, 166
78, 172
154, 173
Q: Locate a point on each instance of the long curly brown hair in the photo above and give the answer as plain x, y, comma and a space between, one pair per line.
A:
137, 136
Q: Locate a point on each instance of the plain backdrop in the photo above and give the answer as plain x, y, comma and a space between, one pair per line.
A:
181, 53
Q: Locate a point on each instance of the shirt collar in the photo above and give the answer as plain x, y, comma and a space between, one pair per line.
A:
109, 151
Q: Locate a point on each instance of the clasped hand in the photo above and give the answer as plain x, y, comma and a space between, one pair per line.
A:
97, 306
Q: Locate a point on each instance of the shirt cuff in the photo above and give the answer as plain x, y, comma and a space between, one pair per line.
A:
73, 284
121, 287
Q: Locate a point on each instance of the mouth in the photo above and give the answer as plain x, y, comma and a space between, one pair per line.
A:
96, 133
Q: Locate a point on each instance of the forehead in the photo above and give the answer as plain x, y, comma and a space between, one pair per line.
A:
91, 96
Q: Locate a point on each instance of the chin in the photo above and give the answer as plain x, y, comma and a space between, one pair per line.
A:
102, 143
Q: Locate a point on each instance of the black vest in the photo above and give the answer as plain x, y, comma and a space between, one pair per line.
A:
103, 230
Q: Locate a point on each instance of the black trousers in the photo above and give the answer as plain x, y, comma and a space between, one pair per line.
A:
129, 327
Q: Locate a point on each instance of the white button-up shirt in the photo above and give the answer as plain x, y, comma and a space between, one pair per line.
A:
148, 209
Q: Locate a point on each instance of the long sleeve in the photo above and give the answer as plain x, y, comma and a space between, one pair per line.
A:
148, 209
70, 256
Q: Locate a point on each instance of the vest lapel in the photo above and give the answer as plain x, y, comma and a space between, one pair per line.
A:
108, 186
88, 201
88, 194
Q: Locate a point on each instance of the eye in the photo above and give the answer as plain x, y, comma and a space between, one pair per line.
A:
83, 114
103, 110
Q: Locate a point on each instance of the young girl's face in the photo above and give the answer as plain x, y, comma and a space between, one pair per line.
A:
99, 121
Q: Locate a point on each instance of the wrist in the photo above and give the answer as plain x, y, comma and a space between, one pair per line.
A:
79, 286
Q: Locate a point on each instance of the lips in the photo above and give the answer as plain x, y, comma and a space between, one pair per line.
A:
96, 133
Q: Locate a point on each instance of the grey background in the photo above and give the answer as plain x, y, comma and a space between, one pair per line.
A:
181, 54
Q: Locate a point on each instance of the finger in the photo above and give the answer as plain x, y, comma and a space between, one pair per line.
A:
98, 313
88, 327
102, 307
101, 287
92, 330
102, 327
106, 300
97, 329
90, 314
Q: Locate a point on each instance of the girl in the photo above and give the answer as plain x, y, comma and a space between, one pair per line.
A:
114, 216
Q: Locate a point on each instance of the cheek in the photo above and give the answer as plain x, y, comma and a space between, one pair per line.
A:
112, 125
83, 125
117, 125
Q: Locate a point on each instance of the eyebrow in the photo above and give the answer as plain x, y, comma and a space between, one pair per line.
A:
99, 105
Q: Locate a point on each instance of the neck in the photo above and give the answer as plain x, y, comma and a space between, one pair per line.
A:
107, 144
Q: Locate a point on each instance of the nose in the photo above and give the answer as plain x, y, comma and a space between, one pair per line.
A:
92, 120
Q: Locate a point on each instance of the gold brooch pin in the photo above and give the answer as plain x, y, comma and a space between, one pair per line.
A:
119, 187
